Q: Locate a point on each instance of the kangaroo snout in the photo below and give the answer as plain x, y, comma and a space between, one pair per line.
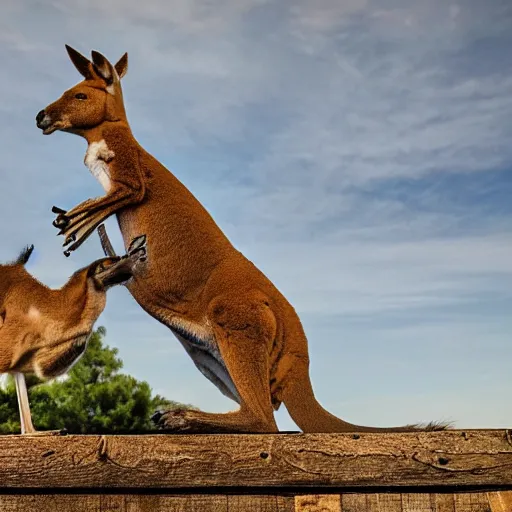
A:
43, 120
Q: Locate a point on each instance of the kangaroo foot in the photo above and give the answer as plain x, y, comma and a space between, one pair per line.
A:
196, 422
181, 421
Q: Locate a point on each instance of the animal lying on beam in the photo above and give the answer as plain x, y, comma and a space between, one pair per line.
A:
45, 331
240, 331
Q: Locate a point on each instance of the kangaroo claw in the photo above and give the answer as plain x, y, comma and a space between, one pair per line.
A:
61, 221
137, 243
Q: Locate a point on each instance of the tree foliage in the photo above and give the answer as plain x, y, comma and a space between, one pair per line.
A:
94, 397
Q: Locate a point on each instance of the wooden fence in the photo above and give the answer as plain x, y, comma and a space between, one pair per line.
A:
453, 471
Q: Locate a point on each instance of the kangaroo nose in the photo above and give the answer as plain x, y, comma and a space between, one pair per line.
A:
40, 117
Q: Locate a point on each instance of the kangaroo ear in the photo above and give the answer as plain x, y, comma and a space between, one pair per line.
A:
24, 255
122, 65
83, 64
103, 67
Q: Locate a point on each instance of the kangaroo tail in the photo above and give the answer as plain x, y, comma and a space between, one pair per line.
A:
310, 416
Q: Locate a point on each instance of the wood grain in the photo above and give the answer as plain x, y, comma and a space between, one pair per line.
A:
50, 503
249, 503
318, 503
445, 503
418, 502
472, 502
444, 460
408, 502
354, 503
390, 502
500, 501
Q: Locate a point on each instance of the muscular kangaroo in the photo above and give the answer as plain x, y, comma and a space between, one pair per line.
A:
45, 331
240, 331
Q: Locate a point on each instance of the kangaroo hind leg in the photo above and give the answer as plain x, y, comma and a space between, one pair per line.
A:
244, 329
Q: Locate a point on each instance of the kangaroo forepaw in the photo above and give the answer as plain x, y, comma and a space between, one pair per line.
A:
138, 248
57, 210
62, 220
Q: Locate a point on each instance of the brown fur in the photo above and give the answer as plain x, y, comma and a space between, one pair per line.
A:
39, 324
44, 331
195, 282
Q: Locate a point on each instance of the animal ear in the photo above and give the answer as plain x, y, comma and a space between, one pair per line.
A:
24, 255
83, 64
103, 67
122, 65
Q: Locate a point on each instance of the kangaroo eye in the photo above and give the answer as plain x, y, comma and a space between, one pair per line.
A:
81, 96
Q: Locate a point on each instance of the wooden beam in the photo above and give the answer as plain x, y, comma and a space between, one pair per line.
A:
500, 501
451, 461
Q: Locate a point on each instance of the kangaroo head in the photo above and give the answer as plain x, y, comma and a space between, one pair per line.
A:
96, 99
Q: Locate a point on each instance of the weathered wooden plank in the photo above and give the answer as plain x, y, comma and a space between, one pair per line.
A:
285, 503
50, 503
248, 503
112, 503
500, 501
445, 460
181, 503
472, 502
318, 503
466, 502
444, 503
146, 503
390, 502
354, 503
418, 502
372, 503
120, 503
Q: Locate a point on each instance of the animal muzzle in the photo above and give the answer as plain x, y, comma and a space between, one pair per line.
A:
116, 273
44, 121
119, 269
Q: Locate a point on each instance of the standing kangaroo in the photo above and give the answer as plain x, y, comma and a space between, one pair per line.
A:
240, 331
45, 331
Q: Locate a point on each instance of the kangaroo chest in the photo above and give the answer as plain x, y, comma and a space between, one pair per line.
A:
97, 159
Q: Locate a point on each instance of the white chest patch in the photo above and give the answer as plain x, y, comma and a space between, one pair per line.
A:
97, 159
34, 313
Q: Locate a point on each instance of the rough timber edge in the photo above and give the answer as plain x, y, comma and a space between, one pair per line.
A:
446, 461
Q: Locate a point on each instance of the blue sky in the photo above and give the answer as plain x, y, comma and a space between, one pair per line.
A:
357, 151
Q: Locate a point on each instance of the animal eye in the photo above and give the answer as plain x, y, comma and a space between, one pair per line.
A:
81, 96
99, 268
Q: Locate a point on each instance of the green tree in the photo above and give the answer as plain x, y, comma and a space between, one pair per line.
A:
94, 398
